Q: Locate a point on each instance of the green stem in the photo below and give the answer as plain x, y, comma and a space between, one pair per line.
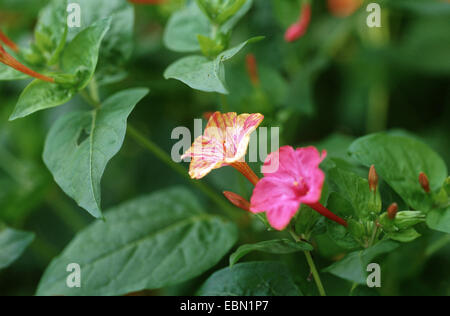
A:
312, 266
164, 157
315, 274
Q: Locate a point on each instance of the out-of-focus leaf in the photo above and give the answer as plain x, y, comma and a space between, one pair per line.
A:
12, 244
80, 145
251, 279
439, 219
158, 240
276, 246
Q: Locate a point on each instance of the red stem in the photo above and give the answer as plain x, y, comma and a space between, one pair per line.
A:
327, 213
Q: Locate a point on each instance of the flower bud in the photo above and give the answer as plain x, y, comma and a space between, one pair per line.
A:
298, 29
8, 42
373, 179
407, 219
425, 184
237, 200
252, 69
392, 211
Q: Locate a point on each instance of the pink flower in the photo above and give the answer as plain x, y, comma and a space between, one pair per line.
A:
297, 180
298, 29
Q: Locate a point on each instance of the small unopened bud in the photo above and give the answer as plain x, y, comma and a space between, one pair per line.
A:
252, 69
423, 180
237, 200
392, 211
373, 179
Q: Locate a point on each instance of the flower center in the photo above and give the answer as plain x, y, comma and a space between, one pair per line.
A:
300, 186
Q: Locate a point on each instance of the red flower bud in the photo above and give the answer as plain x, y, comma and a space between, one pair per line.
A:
237, 200
392, 211
343, 8
423, 180
373, 179
299, 28
8, 42
252, 69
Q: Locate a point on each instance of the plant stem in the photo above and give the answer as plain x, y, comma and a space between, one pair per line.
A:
311, 265
315, 274
164, 157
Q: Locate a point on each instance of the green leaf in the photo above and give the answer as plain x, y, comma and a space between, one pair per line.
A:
356, 190
79, 59
202, 74
12, 244
407, 235
340, 234
151, 242
399, 161
118, 44
276, 246
7, 74
51, 31
353, 267
251, 279
78, 163
439, 219
184, 26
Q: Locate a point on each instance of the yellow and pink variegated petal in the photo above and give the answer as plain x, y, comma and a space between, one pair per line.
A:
218, 124
206, 154
238, 138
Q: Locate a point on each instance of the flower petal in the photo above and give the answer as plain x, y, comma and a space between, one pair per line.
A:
206, 155
309, 158
280, 216
270, 193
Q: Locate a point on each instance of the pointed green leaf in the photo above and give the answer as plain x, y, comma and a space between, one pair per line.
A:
78, 163
151, 242
276, 246
203, 74
251, 279
79, 59
12, 244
